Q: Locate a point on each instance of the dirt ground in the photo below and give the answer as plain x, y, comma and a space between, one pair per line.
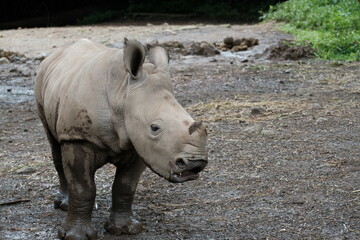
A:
284, 148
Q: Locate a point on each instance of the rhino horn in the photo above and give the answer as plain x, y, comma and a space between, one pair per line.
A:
197, 126
134, 56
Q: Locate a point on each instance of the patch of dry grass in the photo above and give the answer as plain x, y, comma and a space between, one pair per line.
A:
246, 109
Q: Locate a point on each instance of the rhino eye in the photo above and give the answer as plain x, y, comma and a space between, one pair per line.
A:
155, 129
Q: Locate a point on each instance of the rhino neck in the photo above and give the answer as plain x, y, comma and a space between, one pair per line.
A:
116, 93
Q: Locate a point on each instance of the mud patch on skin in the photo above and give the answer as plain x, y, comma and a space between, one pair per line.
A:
56, 115
81, 129
82, 165
76, 133
84, 119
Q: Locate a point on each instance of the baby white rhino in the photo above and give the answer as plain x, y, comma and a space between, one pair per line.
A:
102, 105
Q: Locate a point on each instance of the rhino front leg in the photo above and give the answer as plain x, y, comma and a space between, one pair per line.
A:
79, 167
121, 218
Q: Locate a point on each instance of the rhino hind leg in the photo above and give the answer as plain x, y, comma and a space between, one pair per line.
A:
121, 219
61, 199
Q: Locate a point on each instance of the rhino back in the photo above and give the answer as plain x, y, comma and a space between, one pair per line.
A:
74, 87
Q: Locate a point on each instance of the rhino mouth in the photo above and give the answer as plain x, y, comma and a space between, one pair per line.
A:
187, 172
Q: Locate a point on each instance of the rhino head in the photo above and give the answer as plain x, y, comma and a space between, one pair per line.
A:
170, 142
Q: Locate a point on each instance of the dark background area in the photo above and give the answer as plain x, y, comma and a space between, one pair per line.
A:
41, 13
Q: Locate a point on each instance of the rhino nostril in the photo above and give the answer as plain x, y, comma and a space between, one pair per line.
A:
180, 163
201, 164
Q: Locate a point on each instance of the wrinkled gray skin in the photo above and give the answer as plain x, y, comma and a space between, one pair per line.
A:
100, 105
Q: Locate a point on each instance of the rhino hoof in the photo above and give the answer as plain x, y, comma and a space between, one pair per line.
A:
61, 201
77, 233
128, 226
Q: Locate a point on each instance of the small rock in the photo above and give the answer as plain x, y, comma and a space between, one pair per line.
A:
237, 42
4, 60
15, 58
268, 132
257, 128
30, 119
188, 27
254, 41
26, 170
201, 49
321, 119
226, 47
23, 70
316, 106
328, 112
257, 111
41, 57
227, 25
229, 41
239, 48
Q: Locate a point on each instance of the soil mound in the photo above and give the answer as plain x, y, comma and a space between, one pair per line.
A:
237, 44
193, 48
10, 56
286, 50
206, 49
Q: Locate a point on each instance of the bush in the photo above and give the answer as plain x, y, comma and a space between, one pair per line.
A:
332, 27
245, 10
98, 17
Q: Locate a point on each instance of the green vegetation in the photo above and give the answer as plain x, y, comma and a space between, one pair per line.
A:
332, 27
223, 10
98, 17
219, 10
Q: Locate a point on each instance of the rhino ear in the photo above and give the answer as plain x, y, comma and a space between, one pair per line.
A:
134, 55
158, 56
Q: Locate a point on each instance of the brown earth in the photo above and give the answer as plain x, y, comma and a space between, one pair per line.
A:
284, 144
286, 50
